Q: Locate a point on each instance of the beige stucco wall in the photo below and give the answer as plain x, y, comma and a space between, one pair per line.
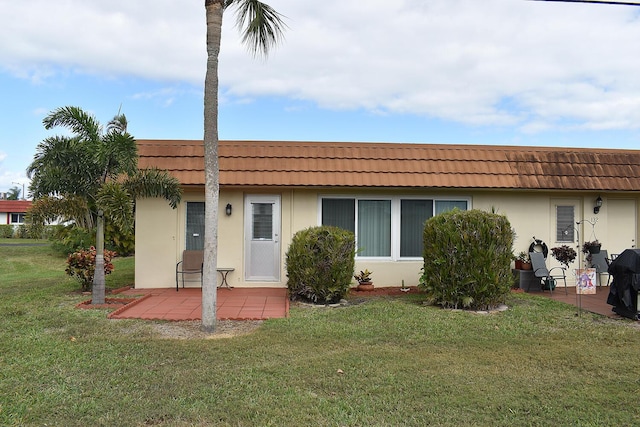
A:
160, 230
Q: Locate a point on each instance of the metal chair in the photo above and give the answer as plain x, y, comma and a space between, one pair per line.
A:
191, 263
547, 277
600, 262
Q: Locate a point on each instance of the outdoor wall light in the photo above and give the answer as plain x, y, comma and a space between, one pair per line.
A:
598, 205
229, 208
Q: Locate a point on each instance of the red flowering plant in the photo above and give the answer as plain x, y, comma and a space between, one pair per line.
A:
82, 266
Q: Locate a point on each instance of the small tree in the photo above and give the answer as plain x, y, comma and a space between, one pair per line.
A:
467, 258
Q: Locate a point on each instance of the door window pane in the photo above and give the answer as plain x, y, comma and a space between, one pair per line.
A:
339, 213
564, 223
374, 227
195, 226
413, 214
262, 221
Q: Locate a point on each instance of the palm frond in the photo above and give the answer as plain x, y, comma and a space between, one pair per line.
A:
261, 25
72, 208
118, 154
117, 204
154, 183
76, 120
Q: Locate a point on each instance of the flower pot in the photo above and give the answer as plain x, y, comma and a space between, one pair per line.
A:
526, 266
518, 264
594, 249
365, 286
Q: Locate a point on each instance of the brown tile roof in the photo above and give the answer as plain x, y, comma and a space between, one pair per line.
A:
15, 206
334, 164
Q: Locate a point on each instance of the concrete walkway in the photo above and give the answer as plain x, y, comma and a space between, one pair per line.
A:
186, 304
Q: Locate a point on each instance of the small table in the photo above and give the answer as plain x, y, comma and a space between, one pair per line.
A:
223, 275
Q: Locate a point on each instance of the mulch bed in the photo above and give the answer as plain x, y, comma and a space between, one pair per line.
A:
110, 303
113, 303
383, 291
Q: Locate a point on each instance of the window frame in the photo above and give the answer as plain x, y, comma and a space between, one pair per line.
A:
559, 204
20, 218
395, 217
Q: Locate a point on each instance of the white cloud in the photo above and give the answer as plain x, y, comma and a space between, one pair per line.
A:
460, 60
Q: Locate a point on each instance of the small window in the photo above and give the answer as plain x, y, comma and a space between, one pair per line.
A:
565, 218
17, 218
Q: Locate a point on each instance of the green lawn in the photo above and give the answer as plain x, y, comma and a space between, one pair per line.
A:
386, 362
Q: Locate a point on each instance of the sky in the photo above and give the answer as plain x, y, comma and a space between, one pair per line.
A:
490, 72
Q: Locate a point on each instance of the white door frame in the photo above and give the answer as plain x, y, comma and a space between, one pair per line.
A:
262, 254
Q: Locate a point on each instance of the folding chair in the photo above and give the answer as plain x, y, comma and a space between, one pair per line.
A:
600, 262
545, 275
191, 263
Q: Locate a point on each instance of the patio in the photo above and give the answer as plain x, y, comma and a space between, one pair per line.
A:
596, 303
186, 304
268, 303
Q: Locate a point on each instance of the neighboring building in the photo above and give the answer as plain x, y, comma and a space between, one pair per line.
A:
13, 211
382, 192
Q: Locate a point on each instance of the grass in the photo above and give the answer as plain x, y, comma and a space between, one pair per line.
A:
384, 362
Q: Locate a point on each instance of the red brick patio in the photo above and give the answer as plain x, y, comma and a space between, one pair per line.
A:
596, 303
186, 304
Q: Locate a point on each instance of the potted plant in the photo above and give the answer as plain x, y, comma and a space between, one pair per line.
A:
564, 254
364, 280
523, 262
592, 247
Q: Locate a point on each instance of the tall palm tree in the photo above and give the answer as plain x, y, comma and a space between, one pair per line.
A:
92, 175
623, 3
262, 28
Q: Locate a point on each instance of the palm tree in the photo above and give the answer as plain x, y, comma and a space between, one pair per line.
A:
624, 3
14, 193
92, 175
262, 28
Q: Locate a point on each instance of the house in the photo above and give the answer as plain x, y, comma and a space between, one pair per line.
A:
13, 211
383, 192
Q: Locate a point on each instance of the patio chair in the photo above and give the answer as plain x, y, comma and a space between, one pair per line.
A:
191, 263
600, 262
547, 277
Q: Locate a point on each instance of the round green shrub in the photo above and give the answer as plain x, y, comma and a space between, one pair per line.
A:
320, 263
467, 257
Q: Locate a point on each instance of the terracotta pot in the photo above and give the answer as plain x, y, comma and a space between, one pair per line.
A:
365, 286
518, 264
526, 266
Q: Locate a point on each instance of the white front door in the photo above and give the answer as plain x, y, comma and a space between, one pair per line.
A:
262, 238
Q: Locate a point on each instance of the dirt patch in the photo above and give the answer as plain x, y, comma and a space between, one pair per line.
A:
192, 329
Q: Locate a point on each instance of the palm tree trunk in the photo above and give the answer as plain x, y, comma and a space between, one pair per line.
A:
214, 9
98, 288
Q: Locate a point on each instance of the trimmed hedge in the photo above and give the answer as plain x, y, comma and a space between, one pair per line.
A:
467, 258
6, 231
320, 263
